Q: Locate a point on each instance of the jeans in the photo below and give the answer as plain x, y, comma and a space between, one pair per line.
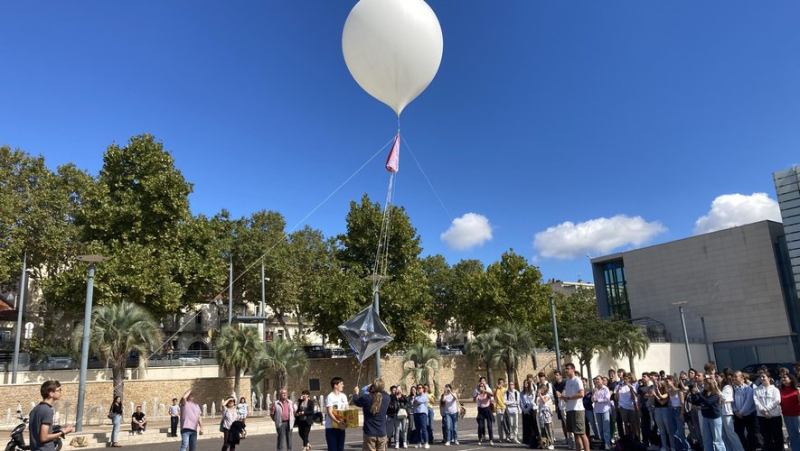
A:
732, 442
400, 430
662, 417
188, 440
511, 422
603, 421
451, 419
644, 424
421, 425
485, 421
430, 425
677, 430
334, 438
712, 434
793, 428
592, 423
173, 426
115, 428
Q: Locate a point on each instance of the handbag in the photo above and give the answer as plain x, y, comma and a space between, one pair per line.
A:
222, 424
402, 413
111, 415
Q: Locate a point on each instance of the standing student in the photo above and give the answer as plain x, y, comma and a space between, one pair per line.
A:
40, 428
500, 409
545, 416
558, 389
676, 425
745, 420
116, 410
401, 419
374, 405
601, 399
790, 408
191, 422
230, 435
709, 400
729, 436
768, 407
511, 399
572, 397
427, 389
527, 403
335, 401
485, 418
420, 406
450, 407
174, 417
304, 417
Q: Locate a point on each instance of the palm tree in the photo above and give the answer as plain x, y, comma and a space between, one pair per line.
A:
425, 360
484, 347
514, 344
630, 342
280, 359
115, 331
237, 350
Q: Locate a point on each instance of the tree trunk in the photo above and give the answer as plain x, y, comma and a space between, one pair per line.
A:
489, 373
534, 359
589, 368
118, 375
236, 379
630, 362
279, 316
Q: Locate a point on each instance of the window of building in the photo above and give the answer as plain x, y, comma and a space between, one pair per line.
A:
616, 292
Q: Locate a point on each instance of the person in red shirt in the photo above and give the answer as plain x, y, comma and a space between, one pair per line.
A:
282, 412
790, 409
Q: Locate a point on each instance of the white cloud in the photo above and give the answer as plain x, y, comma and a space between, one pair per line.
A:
731, 210
467, 231
596, 236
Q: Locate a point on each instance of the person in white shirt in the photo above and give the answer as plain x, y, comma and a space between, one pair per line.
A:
576, 419
767, 398
626, 399
450, 408
601, 398
336, 400
511, 397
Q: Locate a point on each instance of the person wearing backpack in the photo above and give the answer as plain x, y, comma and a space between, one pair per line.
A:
511, 398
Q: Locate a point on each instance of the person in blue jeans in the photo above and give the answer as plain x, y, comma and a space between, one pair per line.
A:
420, 407
174, 416
450, 407
191, 422
430, 412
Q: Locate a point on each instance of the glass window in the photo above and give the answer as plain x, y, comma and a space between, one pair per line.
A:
616, 293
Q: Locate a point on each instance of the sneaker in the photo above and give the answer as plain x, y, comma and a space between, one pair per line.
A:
551, 447
405, 445
491, 443
480, 441
517, 442
416, 446
397, 446
455, 442
427, 446
446, 443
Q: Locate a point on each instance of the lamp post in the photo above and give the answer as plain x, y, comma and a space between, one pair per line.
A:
20, 305
555, 332
87, 317
685, 335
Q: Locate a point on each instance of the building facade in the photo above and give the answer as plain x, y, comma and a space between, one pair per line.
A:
734, 283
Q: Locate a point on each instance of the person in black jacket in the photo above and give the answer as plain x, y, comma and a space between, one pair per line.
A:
304, 417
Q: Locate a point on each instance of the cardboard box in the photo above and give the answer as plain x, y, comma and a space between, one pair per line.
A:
349, 416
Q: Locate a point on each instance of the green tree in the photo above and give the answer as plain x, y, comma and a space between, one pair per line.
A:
485, 348
514, 344
629, 341
137, 213
281, 359
440, 279
238, 350
425, 363
116, 330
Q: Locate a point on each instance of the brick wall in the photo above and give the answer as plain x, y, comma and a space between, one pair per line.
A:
462, 372
99, 394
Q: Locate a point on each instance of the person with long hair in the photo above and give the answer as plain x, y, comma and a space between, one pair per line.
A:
116, 411
676, 425
527, 402
450, 407
374, 404
545, 415
229, 415
485, 418
768, 407
790, 408
659, 399
601, 399
399, 404
304, 417
725, 381
420, 406
708, 401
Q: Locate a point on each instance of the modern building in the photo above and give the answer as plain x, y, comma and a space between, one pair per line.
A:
787, 186
736, 287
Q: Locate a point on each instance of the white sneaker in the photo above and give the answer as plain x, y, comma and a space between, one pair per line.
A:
405, 445
551, 447
491, 443
416, 446
396, 446
446, 443
455, 442
427, 446
517, 442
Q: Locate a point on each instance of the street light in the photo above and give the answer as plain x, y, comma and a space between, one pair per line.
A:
555, 332
20, 305
87, 316
685, 335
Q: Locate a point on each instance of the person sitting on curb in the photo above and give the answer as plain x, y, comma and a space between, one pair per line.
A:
138, 421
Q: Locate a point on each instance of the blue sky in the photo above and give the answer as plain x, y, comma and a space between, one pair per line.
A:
543, 114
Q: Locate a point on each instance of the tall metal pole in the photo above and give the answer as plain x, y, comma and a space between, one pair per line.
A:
20, 307
685, 337
263, 291
555, 332
705, 339
377, 306
230, 292
87, 316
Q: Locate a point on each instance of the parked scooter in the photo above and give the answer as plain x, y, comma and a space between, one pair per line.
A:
17, 442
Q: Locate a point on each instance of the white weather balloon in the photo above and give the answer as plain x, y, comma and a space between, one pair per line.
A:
393, 49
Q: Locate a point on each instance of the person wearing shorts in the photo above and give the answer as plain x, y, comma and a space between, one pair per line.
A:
572, 396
